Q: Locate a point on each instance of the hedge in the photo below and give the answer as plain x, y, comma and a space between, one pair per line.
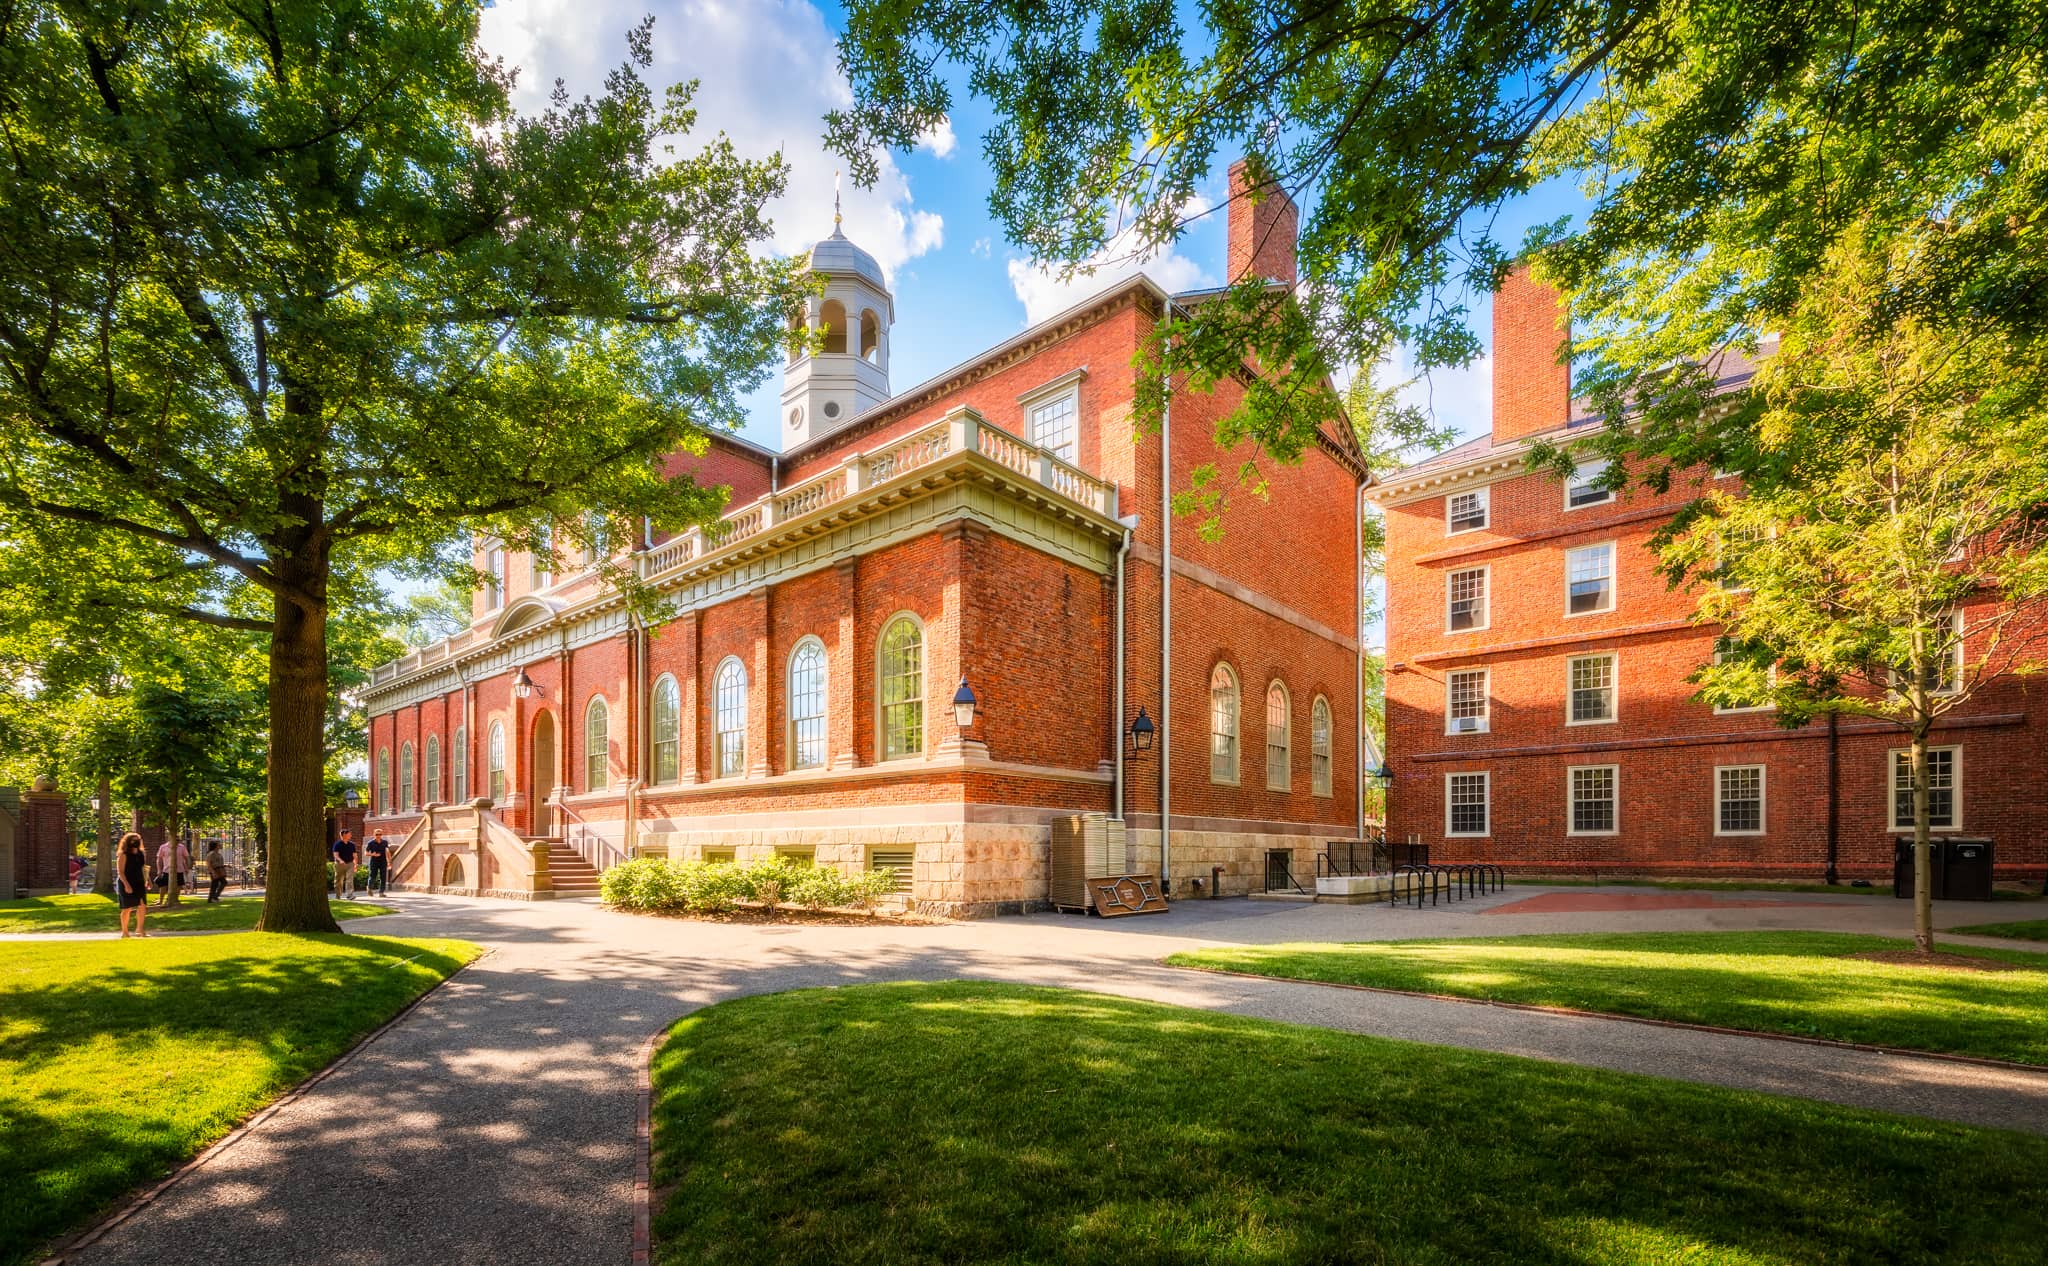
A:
657, 885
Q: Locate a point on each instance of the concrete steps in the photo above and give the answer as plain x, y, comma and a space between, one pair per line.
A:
569, 873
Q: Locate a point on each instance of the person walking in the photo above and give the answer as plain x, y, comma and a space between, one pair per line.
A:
378, 850
216, 872
77, 865
130, 886
163, 868
345, 867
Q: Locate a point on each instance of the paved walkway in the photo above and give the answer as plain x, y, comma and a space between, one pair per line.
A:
496, 1123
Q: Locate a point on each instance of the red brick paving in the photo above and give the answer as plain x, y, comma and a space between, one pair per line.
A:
1592, 902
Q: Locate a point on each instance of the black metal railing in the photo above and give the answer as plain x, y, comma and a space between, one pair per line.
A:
1450, 881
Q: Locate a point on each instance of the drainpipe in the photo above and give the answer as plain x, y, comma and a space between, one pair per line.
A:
636, 639
1116, 723
1358, 677
1166, 646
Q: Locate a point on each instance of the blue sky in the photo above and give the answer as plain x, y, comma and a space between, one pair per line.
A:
767, 72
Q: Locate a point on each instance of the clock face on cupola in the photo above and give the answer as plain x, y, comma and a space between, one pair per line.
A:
849, 323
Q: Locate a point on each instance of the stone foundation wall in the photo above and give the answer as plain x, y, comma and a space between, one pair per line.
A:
1241, 854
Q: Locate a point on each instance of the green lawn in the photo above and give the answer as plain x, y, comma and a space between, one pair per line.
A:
89, 913
972, 1122
119, 1061
1769, 982
2035, 930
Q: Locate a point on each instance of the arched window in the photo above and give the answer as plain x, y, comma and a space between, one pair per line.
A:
384, 780
667, 723
433, 761
834, 320
807, 705
729, 734
461, 764
494, 763
597, 745
902, 688
1279, 739
1223, 725
1319, 746
870, 336
797, 334
405, 778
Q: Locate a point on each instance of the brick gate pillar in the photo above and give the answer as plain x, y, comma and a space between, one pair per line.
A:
41, 846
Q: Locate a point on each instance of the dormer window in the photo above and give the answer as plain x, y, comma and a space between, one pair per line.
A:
1052, 414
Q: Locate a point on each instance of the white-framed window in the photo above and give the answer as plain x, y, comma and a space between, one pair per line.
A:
1465, 606
461, 763
1594, 801
494, 763
1467, 696
1467, 511
1279, 739
597, 545
544, 560
1223, 724
1580, 490
405, 784
1730, 547
384, 780
1592, 682
1468, 804
1722, 649
665, 724
1944, 789
1589, 579
729, 719
1320, 732
597, 745
433, 763
807, 705
494, 578
1951, 679
900, 677
1051, 422
1738, 799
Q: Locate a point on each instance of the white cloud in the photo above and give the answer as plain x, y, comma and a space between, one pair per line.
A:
1044, 294
767, 72
1457, 398
981, 248
939, 141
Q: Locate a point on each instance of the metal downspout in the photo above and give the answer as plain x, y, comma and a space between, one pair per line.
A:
1358, 679
1116, 723
1166, 647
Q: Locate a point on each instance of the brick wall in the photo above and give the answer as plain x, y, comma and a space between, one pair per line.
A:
1532, 380
1261, 231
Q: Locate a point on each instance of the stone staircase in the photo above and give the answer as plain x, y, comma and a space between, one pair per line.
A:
569, 873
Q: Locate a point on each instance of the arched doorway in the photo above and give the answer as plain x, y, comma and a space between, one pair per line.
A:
543, 774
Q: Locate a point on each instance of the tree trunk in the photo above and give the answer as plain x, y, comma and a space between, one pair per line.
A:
295, 889
1923, 867
103, 869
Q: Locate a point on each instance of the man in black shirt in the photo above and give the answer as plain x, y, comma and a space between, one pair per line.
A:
378, 850
345, 867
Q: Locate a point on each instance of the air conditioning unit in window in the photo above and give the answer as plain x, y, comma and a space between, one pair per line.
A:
1464, 725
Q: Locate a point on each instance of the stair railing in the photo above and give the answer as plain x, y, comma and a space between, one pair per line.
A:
583, 837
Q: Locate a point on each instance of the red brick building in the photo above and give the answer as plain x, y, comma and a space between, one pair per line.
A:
999, 525
1538, 713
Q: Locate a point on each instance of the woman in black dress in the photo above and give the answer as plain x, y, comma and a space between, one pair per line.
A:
129, 883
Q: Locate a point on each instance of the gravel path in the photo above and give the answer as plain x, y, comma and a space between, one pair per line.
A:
496, 1123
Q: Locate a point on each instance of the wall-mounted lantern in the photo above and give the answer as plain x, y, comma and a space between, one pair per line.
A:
1142, 732
964, 704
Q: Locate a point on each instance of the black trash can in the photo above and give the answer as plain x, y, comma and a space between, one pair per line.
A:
1966, 870
1902, 867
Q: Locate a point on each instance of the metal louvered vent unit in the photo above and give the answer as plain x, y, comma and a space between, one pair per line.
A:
1085, 846
898, 862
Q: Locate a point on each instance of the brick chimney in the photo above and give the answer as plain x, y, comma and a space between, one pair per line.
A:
1532, 380
1263, 225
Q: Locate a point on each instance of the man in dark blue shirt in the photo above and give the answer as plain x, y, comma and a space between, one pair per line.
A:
345, 867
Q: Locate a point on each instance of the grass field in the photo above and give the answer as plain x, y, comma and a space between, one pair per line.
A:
2033, 930
972, 1122
117, 1061
1769, 982
87, 912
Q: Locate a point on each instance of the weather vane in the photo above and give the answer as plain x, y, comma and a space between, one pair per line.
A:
835, 202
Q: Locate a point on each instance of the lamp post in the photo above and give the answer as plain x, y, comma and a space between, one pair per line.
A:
350, 798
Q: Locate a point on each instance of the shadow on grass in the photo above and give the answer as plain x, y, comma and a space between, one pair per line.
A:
119, 1060
978, 1122
1801, 983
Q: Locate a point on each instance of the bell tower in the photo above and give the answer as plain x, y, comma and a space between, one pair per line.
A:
823, 390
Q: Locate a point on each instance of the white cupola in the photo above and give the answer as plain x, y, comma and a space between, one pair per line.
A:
824, 390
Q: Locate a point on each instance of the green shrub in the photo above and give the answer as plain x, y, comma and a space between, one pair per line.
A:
653, 884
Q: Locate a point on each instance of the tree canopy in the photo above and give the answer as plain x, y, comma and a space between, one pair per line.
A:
290, 293
1725, 146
